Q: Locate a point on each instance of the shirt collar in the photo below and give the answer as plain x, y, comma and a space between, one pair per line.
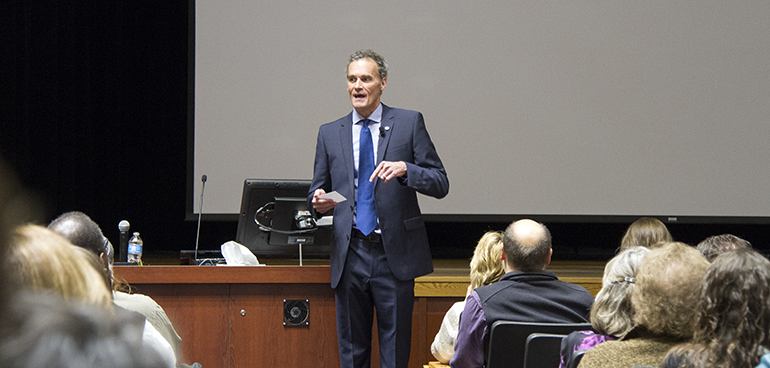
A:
376, 116
530, 274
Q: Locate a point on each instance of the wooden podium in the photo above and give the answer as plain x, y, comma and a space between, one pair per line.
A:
233, 316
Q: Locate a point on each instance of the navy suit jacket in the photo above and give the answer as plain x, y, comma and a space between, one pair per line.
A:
403, 229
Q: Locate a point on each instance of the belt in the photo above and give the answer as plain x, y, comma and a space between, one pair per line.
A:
372, 238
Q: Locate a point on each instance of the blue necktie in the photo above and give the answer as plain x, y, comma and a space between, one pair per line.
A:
366, 218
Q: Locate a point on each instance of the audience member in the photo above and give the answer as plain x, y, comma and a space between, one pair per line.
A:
612, 314
42, 261
715, 245
486, 267
645, 232
46, 331
668, 285
733, 328
526, 293
80, 230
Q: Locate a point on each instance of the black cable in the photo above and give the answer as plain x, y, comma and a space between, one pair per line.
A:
268, 228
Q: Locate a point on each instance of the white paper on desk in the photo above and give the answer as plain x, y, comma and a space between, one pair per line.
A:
334, 196
237, 255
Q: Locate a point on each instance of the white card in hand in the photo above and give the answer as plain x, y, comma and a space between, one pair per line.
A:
334, 196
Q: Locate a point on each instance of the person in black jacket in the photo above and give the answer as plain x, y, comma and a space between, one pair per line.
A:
526, 293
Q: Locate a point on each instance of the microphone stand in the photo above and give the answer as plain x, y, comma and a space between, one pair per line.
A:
200, 212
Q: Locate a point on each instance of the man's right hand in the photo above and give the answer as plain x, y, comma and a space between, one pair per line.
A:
322, 205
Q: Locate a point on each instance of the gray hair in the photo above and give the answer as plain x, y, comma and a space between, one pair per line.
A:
612, 312
668, 286
715, 245
382, 65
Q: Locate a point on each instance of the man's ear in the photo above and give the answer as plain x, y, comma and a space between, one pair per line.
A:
383, 83
105, 261
550, 253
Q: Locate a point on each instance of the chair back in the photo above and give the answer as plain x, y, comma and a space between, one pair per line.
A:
507, 340
542, 350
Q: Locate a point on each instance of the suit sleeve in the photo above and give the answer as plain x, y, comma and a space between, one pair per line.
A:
426, 174
321, 174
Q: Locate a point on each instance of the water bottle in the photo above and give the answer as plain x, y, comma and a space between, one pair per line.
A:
135, 245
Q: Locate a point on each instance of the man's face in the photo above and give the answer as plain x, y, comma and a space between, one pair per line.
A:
365, 86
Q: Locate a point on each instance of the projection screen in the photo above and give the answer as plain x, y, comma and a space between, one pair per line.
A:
554, 108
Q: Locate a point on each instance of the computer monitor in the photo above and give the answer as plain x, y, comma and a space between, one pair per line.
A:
274, 220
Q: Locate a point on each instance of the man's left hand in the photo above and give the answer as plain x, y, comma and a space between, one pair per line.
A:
387, 170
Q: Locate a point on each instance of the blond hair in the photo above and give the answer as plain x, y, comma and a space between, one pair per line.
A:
41, 260
487, 264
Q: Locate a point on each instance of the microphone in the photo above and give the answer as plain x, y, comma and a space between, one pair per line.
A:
382, 131
200, 212
123, 226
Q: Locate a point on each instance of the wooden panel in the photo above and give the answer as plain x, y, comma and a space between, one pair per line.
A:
225, 274
259, 338
200, 315
435, 309
435, 364
451, 286
419, 327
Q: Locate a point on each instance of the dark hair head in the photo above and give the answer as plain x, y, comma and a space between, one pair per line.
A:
80, 230
382, 65
715, 245
527, 245
734, 311
733, 315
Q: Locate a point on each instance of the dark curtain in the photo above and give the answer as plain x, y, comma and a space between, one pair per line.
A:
95, 113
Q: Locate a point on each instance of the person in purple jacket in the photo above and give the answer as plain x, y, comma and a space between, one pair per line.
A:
526, 293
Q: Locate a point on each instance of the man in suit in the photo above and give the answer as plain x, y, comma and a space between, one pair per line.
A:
378, 158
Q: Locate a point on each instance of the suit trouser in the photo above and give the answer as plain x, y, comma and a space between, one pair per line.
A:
366, 284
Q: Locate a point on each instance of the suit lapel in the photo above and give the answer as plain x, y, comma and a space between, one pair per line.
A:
386, 124
346, 144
